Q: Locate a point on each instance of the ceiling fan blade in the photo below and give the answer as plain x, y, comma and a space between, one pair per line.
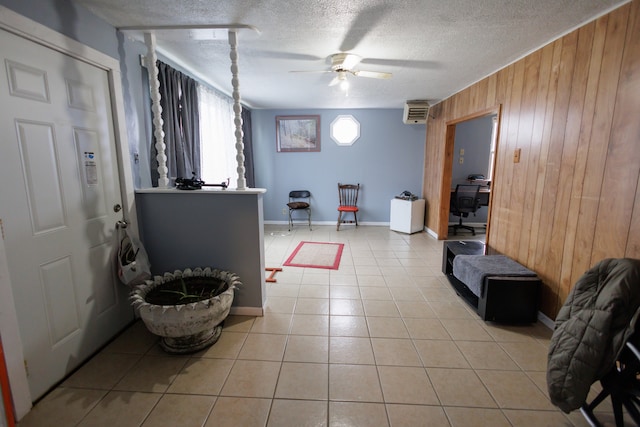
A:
335, 81
372, 74
350, 61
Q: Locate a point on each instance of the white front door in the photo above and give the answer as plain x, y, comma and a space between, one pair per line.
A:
58, 187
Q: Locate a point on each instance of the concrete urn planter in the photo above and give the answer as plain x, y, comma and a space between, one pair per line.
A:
186, 321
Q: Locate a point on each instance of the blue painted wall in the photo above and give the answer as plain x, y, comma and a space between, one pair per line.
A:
387, 159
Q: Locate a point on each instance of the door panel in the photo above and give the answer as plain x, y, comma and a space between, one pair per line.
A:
58, 183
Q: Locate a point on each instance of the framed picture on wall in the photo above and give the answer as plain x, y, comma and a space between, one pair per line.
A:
297, 133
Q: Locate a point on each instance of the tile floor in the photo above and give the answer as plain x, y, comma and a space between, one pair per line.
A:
383, 341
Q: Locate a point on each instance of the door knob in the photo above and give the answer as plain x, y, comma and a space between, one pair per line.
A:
117, 207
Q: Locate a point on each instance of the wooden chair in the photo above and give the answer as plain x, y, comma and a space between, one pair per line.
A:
348, 197
299, 200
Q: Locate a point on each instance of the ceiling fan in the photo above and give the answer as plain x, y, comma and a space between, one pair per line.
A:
343, 64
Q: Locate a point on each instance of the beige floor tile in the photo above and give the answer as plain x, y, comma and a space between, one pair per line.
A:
134, 340
239, 411
283, 289
314, 291
520, 418
380, 308
427, 329
238, 323
275, 304
303, 381
395, 352
351, 350
180, 410
252, 378
315, 278
343, 278
302, 348
368, 270
372, 292
344, 292
530, 355
272, 323
402, 384
406, 294
440, 354
354, 383
227, 347
348, 326
152, 374
514, 390
438, 294
298, 413
310, 324
122, 409
460, 387
388, 262
263, 347
202, 376
387, 327
466, 330
451, 310
477, 417
510, 333
102, 371
62, 407
416, 415
355, 414
373, 281
312, 306
346, 307
486, 355
415, 309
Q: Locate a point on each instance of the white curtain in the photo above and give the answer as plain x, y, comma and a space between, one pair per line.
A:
217, 139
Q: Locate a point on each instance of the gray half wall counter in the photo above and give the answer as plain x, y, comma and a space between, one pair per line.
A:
207, 228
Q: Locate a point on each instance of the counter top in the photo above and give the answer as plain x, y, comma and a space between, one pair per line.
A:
204, 190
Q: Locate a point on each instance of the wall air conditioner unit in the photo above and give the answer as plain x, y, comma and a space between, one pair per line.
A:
415, 112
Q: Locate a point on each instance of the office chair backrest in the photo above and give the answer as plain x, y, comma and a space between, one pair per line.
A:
465, 198
348, 194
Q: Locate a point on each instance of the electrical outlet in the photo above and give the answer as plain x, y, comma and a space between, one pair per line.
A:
284, 211
461, 160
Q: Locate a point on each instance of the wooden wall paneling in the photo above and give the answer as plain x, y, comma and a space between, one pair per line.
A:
445, 189
548, 261
521, 191
567, 279
502, 180
512, 217
559, 230
482, 88
623, 159
492, 83
633, 243
615, 30
532, 206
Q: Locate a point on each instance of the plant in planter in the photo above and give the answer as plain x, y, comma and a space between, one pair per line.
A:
186, 308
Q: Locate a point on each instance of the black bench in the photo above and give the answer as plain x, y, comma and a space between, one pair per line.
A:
497, 287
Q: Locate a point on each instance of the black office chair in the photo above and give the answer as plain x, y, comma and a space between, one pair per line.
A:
463, 202
299, 200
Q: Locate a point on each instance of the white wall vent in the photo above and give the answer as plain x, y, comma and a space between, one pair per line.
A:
415, 112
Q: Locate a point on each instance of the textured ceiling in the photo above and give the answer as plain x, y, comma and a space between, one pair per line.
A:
434, 48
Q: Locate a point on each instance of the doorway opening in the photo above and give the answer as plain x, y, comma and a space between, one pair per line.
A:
470, 147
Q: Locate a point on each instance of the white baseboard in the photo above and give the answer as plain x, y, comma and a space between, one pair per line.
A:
431, 233
247, 311
546, 321
315, 223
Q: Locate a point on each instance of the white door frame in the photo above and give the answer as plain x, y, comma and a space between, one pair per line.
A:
31, 30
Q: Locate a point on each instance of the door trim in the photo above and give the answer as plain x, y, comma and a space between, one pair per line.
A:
447, 167
43, 35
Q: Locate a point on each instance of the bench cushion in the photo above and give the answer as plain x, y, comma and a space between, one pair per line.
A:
472, 269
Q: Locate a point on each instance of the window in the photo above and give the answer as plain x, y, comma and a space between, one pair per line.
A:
217, 137
345, 130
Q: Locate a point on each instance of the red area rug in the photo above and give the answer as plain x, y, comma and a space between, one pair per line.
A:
316, 255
